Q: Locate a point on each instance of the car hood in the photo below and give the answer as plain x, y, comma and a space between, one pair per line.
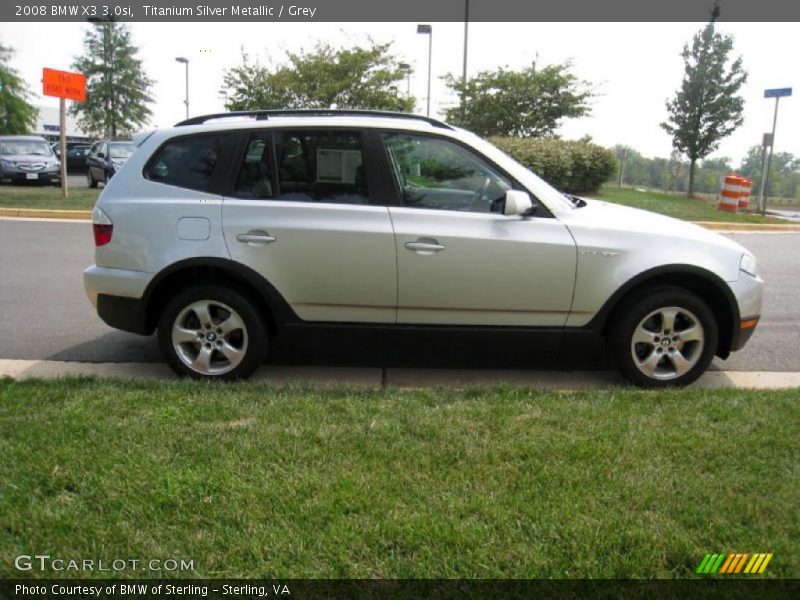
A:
598, 214
28, 158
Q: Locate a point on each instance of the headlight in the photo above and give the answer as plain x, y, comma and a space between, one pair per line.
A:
8, 163
748, 265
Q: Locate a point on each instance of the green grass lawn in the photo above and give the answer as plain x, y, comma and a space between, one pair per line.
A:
27, 196
678, 206
252, 480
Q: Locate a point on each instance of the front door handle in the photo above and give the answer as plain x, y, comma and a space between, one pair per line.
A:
425, 246
256, 238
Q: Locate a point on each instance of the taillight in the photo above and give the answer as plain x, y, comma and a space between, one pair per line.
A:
102, 226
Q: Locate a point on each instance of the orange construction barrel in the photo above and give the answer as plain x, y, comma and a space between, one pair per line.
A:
729, 194
744, 193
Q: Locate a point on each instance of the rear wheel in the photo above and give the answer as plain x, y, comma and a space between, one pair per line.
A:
662, 337
212, 332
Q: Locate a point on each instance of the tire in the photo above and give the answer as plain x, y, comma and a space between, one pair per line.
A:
192, 349
663, 337
91, 180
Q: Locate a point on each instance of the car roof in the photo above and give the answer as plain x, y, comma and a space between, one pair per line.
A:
238, 123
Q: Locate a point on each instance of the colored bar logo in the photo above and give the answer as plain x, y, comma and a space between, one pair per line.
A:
737, 562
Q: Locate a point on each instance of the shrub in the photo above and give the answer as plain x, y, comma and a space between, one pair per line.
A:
570, 166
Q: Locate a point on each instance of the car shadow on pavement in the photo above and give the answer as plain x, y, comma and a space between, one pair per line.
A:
371, 350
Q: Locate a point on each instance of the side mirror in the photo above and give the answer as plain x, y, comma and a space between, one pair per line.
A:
100, 155
518, 203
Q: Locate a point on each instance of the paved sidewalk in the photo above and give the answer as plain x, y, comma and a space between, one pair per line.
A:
403, 378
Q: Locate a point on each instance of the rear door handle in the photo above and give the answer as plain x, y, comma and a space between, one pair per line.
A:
256, 238
425, 246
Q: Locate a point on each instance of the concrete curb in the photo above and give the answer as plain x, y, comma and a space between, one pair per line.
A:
38, 213
726, 227
749, 227
377, 378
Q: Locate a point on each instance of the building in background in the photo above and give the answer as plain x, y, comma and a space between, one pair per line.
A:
47, 126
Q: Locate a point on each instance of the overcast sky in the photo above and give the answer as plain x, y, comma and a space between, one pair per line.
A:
635, 67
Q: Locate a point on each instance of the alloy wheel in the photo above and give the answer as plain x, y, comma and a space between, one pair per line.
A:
667, 343
209, 337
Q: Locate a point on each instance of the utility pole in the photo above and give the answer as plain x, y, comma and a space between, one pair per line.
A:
464, 72
622, 164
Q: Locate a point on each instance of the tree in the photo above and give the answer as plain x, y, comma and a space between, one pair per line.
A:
117, 88
784, 175
527, 103
706, 108
360, 77
17, 115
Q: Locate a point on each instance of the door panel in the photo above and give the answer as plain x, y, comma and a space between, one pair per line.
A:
460, 260
493, 269
330, 262
303, 215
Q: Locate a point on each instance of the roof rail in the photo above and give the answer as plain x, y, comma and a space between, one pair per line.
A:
263, 115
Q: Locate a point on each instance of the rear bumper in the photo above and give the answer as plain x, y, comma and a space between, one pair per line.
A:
118, 296
127, 314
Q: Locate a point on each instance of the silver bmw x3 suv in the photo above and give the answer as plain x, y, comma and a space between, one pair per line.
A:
228, 230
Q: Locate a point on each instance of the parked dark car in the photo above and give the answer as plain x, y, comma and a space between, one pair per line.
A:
76, 158
105, 158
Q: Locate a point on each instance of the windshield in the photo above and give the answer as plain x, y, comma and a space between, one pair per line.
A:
120, 150
26, 148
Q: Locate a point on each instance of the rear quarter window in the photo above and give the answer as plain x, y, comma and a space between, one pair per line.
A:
190, 162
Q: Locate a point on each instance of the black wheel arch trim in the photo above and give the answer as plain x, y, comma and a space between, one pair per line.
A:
280, 311
726, 343
138, 315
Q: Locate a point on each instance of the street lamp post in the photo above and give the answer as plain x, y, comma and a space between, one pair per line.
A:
185, 61
407, 68
428, 30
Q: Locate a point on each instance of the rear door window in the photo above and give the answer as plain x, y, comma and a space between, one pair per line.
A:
254, 179
321, 166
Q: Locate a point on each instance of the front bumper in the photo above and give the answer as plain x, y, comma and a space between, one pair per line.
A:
749, 293
30, 177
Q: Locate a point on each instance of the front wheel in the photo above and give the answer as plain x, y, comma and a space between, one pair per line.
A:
663, 337
212, 332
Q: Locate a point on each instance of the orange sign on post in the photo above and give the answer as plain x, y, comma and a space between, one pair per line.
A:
64, 84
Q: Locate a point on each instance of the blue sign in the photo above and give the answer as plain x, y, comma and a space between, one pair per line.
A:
777, 92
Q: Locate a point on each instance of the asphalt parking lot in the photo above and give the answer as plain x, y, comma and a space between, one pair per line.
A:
47, 315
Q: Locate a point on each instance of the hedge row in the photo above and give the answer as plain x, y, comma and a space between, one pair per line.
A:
570, 166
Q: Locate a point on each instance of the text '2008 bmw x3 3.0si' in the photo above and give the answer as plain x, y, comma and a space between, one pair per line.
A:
227, 230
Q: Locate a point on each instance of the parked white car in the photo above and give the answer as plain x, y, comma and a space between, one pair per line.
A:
227, 230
